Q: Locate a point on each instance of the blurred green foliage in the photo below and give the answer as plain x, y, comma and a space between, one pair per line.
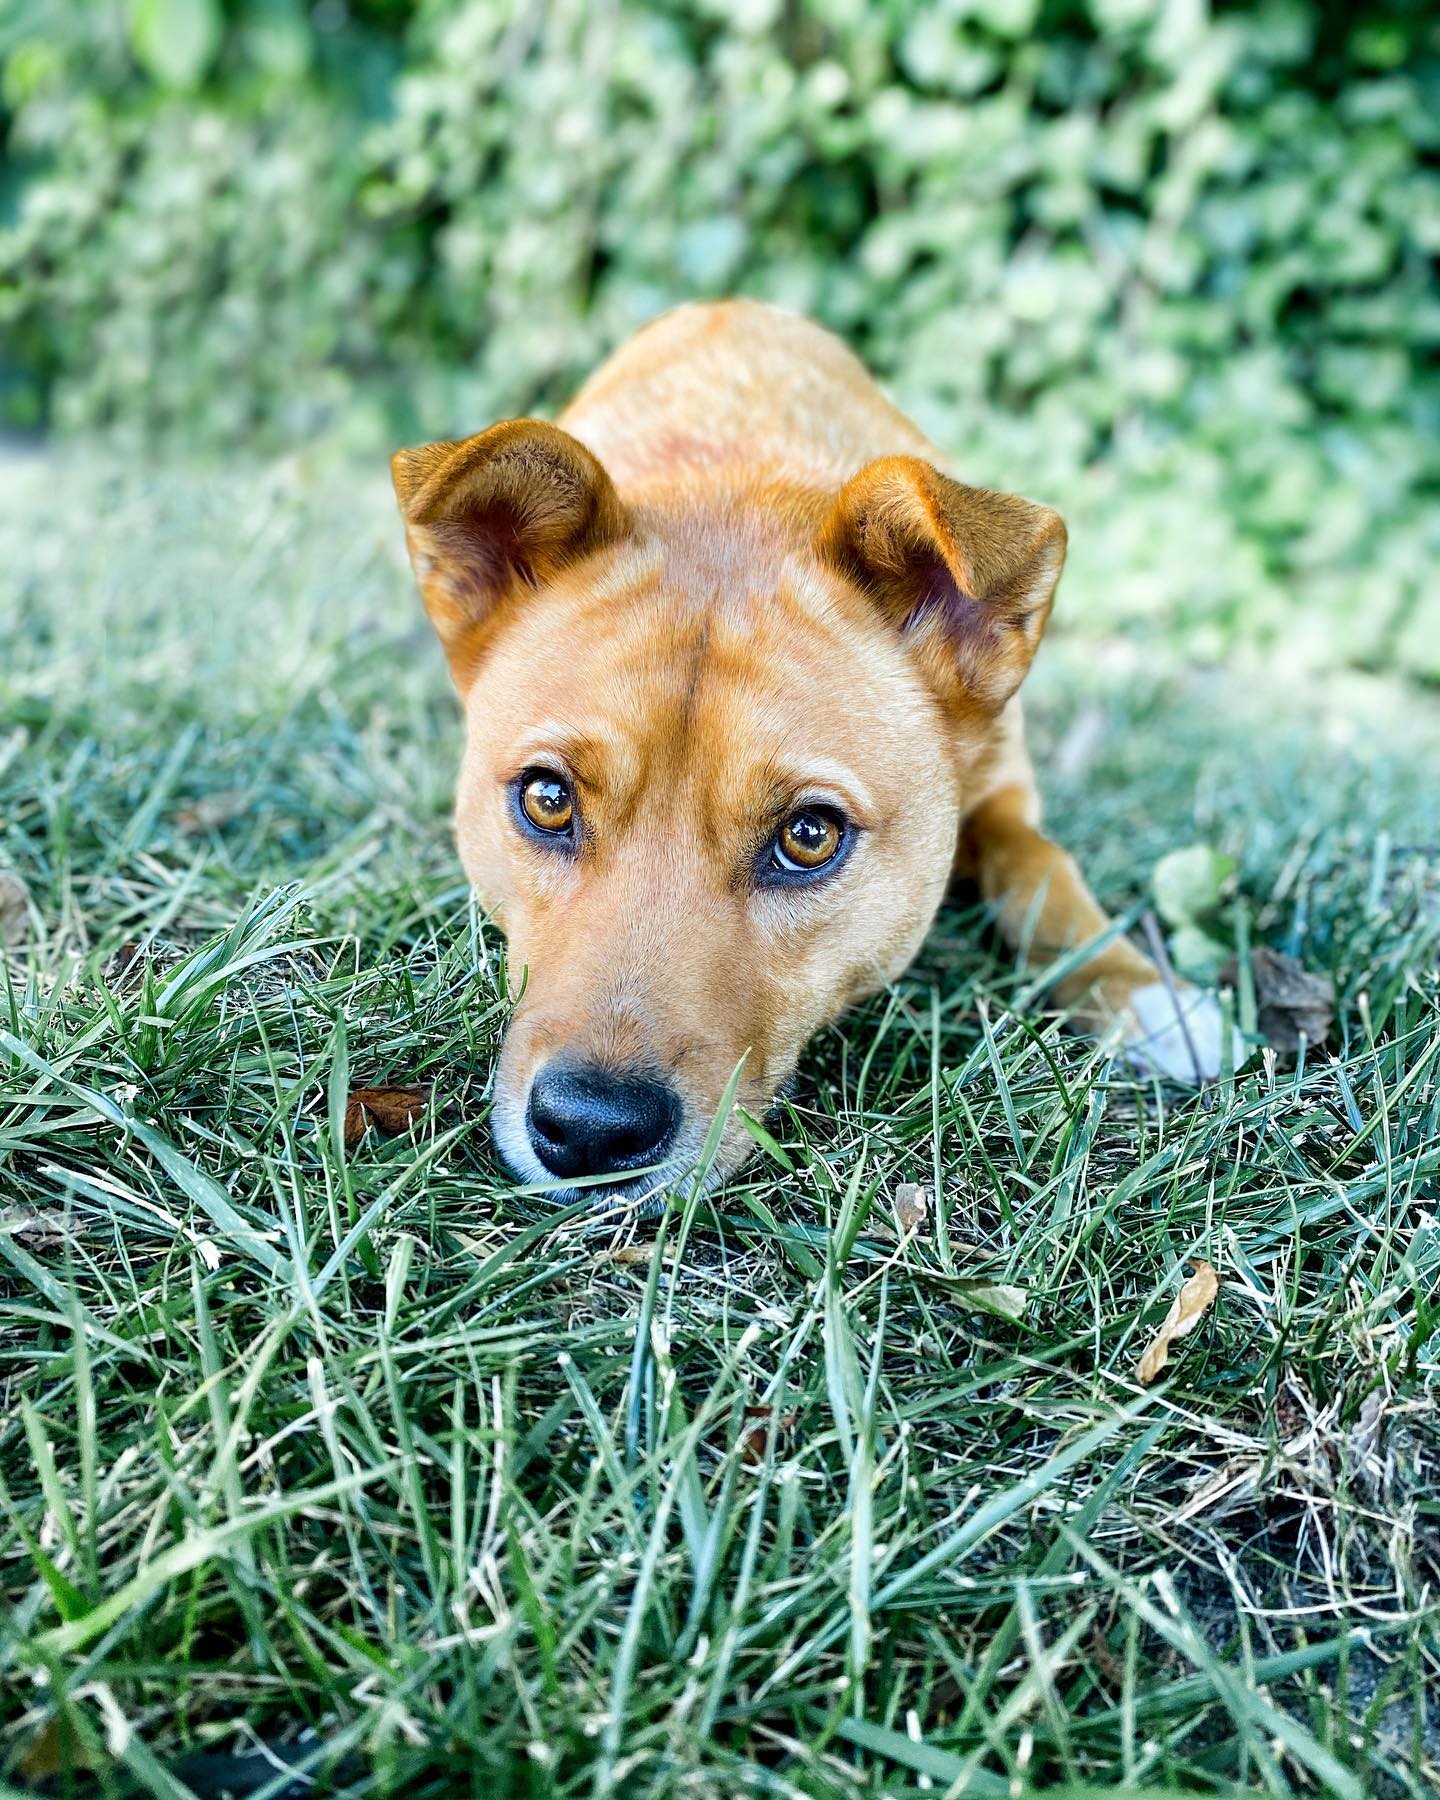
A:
1168, 265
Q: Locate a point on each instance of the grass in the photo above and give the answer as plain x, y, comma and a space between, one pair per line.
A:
357, 1465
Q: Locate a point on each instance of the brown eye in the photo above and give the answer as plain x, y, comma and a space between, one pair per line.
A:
546, 801
809, 840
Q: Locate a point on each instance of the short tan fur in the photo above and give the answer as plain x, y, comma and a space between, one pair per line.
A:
734, 586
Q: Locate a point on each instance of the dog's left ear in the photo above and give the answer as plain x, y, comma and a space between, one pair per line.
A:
493, 516
968, 574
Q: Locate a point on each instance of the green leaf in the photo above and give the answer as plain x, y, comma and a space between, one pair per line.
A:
277, 38
175, 41
1188, 884
1196, 954
997, 1297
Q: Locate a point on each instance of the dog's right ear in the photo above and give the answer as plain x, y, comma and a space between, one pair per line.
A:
501, 512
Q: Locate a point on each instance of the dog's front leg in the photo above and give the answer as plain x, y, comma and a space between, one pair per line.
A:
1045, 909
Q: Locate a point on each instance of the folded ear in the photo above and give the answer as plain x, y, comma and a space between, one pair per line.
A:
969, 574
499, 513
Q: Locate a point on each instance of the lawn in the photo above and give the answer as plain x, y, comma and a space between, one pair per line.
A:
333, 1454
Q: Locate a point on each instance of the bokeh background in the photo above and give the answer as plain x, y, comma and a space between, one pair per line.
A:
1167, 265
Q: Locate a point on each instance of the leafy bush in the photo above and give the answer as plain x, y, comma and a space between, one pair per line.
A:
1173, 271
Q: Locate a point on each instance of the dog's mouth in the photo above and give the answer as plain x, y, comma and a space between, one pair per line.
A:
644, 1192
643, 1196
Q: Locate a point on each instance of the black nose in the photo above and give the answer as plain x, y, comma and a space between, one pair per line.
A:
583, 1121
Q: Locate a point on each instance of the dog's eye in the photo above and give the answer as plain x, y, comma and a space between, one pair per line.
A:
546, 801
808, 840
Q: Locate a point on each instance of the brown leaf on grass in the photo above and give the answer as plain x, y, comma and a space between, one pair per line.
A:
120, 964
391, 1110
1367, 1437
978, 1295
36, 1225
910, 1206
1109, 1666
54, 1752
212, 811
1191, 1304
14, 910
755, 1433
1365, 1433
1292, 1409
1290, 1000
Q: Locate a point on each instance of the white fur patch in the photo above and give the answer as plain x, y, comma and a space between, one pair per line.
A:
1156, 1041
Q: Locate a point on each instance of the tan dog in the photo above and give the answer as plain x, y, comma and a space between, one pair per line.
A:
739, 668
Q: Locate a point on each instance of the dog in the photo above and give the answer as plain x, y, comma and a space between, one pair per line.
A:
740, 668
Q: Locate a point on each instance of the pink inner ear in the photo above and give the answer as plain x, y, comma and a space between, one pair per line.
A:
965, 572
481, 551
965, 619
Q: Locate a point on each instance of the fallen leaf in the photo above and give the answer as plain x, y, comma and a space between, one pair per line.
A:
1365, 1432
119, 963
1366, 1437
212, 811
1191, 1305
54, 1752
1110, 1666
993, 1297
1290, 1000
14, 910
755, 1433
910, 1206
390, 1110
977, 1293
36, 1227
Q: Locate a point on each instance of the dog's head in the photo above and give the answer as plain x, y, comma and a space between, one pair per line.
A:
714, 765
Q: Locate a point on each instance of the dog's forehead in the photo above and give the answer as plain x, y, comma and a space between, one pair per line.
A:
750, 683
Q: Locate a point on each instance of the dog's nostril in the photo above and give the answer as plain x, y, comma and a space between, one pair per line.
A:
583, 1120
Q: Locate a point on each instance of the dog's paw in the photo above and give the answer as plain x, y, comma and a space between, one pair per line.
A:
1179, 1034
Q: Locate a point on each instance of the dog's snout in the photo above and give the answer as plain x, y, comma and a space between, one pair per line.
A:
582, 1120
